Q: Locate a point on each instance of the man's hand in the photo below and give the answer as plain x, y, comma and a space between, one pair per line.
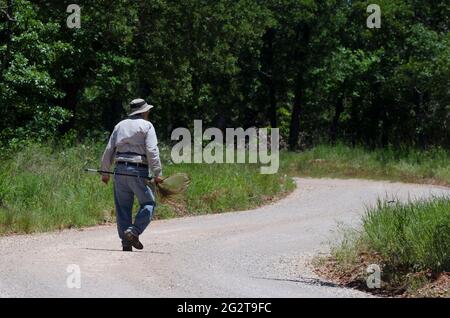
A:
105, 179
158, 180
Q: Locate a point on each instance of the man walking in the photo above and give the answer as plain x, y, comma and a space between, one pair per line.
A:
133, 147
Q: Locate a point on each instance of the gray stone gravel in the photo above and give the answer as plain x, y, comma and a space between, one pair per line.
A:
258, 253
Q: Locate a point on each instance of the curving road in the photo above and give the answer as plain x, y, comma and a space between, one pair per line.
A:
258, 253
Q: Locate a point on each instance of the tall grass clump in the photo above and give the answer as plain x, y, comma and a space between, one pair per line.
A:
409, 241
413, 236
43, 188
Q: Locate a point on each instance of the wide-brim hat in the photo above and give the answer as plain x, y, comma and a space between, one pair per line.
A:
139, 106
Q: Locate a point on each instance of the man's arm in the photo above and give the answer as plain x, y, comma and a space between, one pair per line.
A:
152, 152
108, 154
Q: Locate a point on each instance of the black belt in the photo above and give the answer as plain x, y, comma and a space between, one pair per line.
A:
129, 153
132, 164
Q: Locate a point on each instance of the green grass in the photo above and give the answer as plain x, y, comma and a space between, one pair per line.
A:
341, 161
414, 236
42, 189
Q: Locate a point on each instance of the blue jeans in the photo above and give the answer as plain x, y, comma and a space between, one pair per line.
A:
125, 188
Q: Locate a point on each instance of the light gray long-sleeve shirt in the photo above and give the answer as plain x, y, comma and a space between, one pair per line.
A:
133, 140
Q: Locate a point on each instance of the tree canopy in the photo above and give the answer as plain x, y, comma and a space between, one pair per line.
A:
312, 68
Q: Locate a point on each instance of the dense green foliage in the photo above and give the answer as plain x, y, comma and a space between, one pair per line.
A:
312, 68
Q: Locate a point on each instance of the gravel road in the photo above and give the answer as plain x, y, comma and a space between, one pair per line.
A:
258, 253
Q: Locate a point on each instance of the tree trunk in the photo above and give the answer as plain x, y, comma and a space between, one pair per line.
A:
385, 127
273, 104
303, 34
372, 132
420, 118
270, 77
294, 130
355, 125
339, 108
112, 112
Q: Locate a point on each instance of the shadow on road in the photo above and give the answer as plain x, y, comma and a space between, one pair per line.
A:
135, 251
304, 280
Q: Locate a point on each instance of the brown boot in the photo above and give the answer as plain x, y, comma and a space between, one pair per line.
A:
133, 239
127, 248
